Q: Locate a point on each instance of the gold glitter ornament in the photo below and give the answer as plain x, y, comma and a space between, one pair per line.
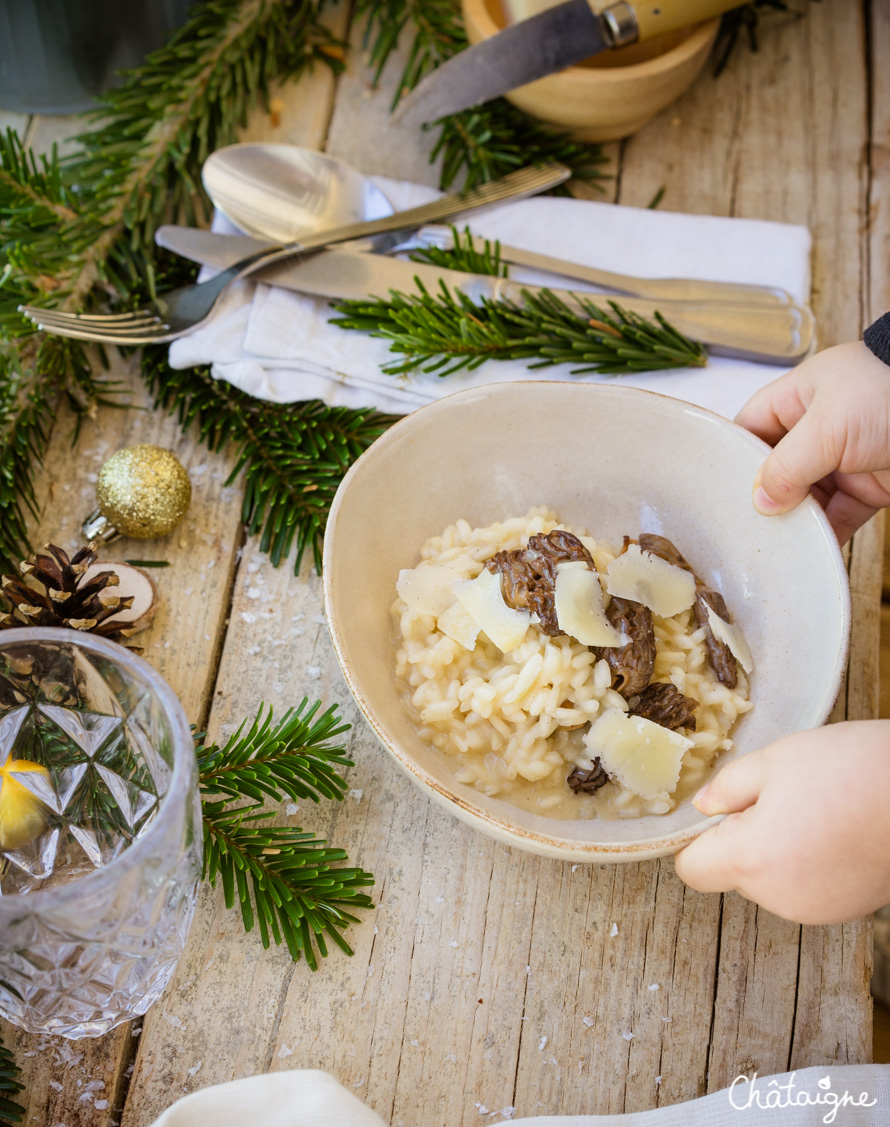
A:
143, 491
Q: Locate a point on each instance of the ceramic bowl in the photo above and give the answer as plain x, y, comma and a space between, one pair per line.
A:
615, 94
609, 460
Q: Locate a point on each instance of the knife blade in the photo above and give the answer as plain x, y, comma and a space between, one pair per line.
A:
544, 43
775, 334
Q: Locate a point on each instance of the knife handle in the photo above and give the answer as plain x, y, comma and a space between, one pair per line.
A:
630, 23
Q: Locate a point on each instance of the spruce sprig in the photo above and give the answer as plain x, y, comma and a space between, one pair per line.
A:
10, 1086
463, 255
293, 456
293, 758
288, 883
481, 143
446, 332
77, 232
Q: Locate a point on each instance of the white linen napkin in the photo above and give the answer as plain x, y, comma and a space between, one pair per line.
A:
278, 345
856, 1095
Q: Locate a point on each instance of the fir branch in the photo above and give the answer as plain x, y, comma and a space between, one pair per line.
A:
293, 456
288, 883
292, 759
745, 18
446, 332
481, 143
77, 233
462, 255
10, 1085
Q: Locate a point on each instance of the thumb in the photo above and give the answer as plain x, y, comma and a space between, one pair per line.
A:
803, 457
736, 787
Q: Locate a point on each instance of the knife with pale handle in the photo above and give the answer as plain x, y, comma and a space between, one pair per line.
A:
778, 334
659, 289
544, 43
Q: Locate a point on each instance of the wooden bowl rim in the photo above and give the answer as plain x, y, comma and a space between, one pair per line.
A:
700, 37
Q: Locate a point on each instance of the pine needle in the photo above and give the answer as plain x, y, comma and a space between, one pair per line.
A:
288, 883
446, 332
478, 144
10, 1086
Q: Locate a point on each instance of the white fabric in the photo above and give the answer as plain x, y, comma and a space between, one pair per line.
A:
278, 345
848, 1095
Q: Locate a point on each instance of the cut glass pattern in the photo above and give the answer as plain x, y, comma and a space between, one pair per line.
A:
86, 760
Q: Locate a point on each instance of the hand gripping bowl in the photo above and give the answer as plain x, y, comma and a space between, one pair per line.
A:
608, 460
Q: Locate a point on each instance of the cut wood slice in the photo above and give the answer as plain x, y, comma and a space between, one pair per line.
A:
135, 582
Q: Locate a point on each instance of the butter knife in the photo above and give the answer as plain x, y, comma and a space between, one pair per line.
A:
659, 289
779, 334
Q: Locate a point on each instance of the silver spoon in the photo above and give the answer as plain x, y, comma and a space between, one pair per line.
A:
284, 193
281, 192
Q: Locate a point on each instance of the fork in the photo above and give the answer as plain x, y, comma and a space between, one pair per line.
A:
181, 311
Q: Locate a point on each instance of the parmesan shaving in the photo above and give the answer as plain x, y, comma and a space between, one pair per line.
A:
732, 637
427, 589
481, 598
641, 755
645, 578
578, 598
459, 626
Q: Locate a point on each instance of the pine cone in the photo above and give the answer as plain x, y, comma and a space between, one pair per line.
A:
65, 600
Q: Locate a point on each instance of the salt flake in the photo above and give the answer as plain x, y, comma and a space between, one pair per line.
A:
195, 1069
542, 1043
614, 931
654, 986
628, 1036
284, 1051
313, 672
588, 1021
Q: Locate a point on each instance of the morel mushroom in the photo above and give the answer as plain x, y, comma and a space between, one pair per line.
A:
631, 665
721, 657
664, 704
587, 782
528, 575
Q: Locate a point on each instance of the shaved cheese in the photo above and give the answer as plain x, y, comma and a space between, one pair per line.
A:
732, 637
481, 598
427, 589
663, 588
459, 625
643, 756
578, 598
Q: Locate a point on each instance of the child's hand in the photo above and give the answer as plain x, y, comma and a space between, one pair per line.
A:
807, 834
829, 420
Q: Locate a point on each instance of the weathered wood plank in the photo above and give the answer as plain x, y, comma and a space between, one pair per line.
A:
182, 643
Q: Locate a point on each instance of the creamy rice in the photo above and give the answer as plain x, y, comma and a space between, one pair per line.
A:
513, 723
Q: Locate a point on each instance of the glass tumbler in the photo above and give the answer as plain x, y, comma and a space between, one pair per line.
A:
100, 832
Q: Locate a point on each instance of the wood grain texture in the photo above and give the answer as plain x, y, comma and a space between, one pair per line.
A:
486, 979
182, 643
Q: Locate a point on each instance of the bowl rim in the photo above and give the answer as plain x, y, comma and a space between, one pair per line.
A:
540, 842
700, 37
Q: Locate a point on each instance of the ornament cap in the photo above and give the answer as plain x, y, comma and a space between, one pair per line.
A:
97, 526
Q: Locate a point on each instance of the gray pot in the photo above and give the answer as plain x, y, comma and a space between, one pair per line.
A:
57, 55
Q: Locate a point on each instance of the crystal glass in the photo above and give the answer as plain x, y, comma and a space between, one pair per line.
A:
100, 832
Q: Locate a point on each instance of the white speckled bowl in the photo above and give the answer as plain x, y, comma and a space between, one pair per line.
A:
611, 460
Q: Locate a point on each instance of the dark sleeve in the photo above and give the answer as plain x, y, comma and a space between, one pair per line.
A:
877, 338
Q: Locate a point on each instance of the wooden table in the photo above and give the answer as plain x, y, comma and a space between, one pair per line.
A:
487, 978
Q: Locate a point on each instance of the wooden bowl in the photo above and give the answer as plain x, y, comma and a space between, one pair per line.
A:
614, 94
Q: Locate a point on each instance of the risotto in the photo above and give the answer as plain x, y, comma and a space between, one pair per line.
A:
550, 722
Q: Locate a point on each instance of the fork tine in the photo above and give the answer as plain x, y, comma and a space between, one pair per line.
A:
110, 336
59, 316
126, 323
